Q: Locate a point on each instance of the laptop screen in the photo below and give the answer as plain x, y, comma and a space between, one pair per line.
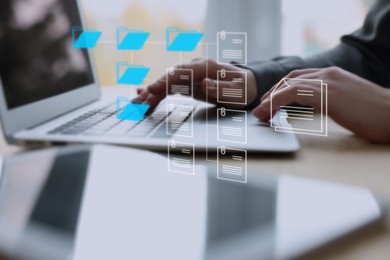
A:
37, 60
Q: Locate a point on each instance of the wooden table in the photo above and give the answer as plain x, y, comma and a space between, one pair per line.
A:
342, 158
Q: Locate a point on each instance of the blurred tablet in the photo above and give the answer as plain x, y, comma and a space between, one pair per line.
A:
103, 202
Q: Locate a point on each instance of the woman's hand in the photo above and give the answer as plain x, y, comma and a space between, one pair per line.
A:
353, 102
205, 75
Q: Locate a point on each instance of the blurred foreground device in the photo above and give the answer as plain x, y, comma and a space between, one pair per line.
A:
102, 202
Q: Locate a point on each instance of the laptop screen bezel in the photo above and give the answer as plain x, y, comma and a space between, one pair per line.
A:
33, 114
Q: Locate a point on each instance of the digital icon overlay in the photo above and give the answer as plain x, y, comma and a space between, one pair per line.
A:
130, 39
177, 120
236, 91
180, 81
182, 40
129, 110
181, 157
180, 120
83, 38
232, 46
232, 125
232, 164
130, 74
310, 123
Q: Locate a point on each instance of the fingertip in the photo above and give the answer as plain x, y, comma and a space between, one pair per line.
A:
265, 119
141, 96
263, 116
262, 112
256, 112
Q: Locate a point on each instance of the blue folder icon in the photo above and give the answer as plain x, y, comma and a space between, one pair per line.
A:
128, 110
84, 38
130, 74
129, 39
179, 40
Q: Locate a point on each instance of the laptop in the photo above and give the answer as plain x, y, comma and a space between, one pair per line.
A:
49, 92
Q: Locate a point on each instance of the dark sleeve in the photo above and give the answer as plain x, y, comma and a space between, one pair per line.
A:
365, 53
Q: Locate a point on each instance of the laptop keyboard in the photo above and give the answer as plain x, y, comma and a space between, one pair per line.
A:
104, 121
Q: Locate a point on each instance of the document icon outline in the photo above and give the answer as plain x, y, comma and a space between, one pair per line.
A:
185, 40
132, 74
128, 110
86, 38
132, 39
315, 125
237, 51
181, 122
184, 76
234, 131
235, 91
181, 157
226, 170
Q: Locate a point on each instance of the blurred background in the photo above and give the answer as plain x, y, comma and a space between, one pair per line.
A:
274, 27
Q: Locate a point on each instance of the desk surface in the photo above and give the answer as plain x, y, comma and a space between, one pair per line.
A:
340, 157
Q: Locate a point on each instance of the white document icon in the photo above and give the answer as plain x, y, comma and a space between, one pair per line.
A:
181, 157
232, 164
179, 121
232, 125
309, 123
232, 46
235, 93
180, 81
